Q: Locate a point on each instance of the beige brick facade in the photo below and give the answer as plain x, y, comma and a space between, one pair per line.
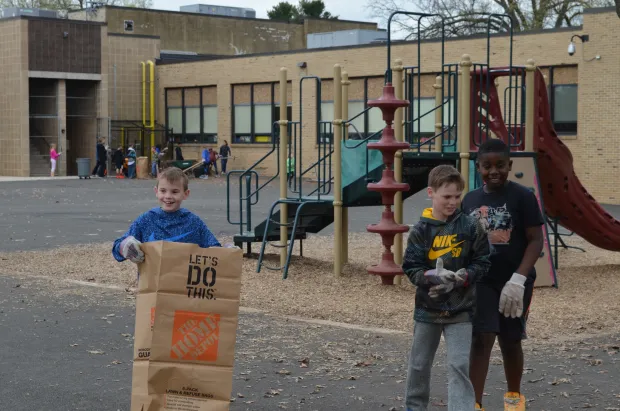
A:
126, 53
595, 143
14, 127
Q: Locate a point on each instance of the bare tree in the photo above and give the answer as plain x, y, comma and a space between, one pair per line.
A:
464, 17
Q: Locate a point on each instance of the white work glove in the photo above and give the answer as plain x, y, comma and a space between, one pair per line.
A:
511, 300
442, 278
130, 249
459, 278
439, 275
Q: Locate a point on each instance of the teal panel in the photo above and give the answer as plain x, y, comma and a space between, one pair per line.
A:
354, 161
474, 181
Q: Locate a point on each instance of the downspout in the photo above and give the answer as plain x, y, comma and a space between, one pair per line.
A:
152, 103
143, 98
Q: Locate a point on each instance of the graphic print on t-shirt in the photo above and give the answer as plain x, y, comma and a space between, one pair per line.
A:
497, 222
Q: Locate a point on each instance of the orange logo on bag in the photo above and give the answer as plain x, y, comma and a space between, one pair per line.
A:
195, 336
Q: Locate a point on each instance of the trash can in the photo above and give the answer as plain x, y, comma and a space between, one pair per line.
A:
142, 167
83, 165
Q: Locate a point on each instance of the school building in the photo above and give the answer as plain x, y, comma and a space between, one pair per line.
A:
69, 81
237, 98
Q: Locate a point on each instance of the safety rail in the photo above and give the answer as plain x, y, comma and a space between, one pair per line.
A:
246, 175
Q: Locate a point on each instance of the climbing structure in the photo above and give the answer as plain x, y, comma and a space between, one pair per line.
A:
387, 186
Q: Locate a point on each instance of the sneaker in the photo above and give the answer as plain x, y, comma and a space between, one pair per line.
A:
479, 407
513, 401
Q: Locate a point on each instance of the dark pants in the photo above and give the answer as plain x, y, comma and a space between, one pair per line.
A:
224, 166
99, 168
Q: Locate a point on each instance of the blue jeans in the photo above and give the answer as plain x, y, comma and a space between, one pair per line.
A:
154, 168
131, 170
426, 338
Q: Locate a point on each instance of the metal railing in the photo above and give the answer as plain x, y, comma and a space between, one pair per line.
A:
251, 197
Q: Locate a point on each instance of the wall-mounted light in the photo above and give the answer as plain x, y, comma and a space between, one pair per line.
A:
584, 38
302, 64
65, 34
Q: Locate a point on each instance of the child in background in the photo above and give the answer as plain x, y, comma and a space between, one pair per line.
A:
168, 222
511, 215
131, 162
117, 158
447, 253
53, 158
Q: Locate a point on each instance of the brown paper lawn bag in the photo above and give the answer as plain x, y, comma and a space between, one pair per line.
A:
186, 322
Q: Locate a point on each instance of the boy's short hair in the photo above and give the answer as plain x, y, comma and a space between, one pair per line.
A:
445, 174
494, 145
173, 175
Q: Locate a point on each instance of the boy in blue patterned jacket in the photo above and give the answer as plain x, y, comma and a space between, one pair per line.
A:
168, 222
447, 253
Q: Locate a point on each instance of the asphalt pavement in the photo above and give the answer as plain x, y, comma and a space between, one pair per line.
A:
69, 347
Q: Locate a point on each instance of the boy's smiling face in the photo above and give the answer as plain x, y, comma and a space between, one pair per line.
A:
494, 169
170, 195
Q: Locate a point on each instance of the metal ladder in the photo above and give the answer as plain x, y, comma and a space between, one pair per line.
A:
291, 234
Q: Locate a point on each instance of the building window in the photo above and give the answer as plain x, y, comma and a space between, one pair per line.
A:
256, 107
563, 95
129, 25
191, 114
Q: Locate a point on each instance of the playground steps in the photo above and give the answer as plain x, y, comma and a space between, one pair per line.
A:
320, 214
313, 218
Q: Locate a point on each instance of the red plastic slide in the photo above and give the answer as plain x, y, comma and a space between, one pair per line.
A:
563, 194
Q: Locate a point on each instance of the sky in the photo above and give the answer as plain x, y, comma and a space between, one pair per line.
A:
340, 8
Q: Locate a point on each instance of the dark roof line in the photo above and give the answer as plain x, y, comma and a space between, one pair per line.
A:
380, 45
226, 17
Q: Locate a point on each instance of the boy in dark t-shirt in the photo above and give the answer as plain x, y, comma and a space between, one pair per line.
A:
512, 217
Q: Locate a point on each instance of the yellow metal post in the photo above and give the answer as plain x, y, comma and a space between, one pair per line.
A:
337, 171
464, 126
283, 171
530, 70
143, 93
152, 104
438, 113
399, 134
345, 211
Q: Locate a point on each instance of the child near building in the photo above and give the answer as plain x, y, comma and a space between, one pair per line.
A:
131, 162
53, 158
447, 253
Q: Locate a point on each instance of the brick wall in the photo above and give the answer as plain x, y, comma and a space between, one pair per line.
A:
14, 117
596, 149
126, 52
598, 92
50, 50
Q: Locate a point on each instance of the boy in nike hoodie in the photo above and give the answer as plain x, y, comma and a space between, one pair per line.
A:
168, 222
447, 253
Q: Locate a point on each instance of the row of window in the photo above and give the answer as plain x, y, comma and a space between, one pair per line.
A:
253, 122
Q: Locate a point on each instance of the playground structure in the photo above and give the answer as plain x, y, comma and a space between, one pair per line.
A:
467, 112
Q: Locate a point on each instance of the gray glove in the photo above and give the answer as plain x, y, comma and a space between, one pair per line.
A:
130, 249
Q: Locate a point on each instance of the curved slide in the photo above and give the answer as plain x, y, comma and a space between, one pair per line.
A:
563, 195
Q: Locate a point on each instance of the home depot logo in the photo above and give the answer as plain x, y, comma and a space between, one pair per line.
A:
195, 336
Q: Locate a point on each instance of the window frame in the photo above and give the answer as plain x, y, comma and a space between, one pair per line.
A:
568, 128
254, 137
190, 138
